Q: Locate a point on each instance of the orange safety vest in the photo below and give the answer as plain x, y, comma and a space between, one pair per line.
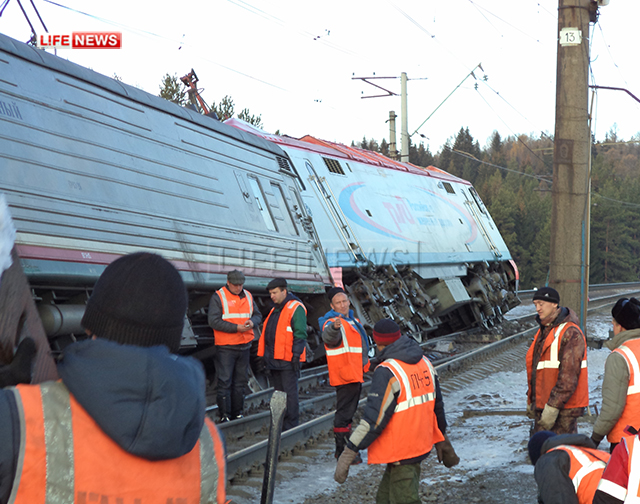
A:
345, 360
65, 457
413, 428
630, 494
235, 310
631, 412
283, 347
549, 366
587, 465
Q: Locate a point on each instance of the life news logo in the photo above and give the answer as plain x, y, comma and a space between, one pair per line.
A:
81, 40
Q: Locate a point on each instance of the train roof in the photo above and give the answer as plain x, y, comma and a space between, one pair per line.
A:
55, 63
327, 148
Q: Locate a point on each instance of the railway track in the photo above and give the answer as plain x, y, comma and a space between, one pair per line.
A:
477, 357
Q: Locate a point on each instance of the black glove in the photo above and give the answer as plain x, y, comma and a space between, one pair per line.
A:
19, 371
596, 438
295, 364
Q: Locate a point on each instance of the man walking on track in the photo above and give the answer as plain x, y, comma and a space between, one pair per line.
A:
402, 420
556, 367
347, 350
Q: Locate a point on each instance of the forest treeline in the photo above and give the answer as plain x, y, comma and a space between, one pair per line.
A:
514, 178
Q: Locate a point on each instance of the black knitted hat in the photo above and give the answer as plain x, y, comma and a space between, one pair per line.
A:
140, 299
547, 294
386, 331
333, 291
627, 313
277, 282
536, 442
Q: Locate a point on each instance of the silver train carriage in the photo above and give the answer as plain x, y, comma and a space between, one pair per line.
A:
414, 244
93, 169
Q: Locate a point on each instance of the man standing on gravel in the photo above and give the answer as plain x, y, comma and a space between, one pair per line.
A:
621, 383
283, 345
347, 350
233, 316
556, 367
402, 420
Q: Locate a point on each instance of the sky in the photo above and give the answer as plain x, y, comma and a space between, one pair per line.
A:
486, 65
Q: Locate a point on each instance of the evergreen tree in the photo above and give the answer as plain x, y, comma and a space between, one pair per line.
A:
171, 89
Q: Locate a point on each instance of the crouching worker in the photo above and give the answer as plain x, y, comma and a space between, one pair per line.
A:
126, 423
620, 481
402, 420
568, 467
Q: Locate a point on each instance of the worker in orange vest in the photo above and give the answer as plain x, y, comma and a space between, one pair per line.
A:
557, 374
568, 467
402, 420
620, 482
347, 347
621, 383
234, 317
126, 422
283, 345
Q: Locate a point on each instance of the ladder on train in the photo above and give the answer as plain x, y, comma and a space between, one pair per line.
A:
339, 219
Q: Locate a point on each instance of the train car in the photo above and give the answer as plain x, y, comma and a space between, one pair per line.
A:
93, 169
414, 244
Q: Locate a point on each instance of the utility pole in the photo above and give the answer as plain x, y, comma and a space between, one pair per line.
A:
393, 152
570, 218
405, 120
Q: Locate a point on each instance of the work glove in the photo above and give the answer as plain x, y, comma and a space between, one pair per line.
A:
446, 453
531, 411
19, 370
295, 364
548, 418
344, 462
596, 438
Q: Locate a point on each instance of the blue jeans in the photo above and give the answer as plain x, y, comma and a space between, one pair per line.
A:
232, 370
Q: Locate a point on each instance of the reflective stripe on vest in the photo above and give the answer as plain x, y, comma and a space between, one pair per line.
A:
413, 427
228, 315
283, 344
409, 401
630, 351
548, 368
553, 361
52, 469
345, 362
585, 461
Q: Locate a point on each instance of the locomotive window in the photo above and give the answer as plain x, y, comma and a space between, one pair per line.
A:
333, 166
448, 187
262, 205
285, 212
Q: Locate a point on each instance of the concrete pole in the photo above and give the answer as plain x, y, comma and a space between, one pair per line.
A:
404, 119
569, 261
393, 150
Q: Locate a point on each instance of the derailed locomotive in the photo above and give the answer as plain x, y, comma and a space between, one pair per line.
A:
93, 169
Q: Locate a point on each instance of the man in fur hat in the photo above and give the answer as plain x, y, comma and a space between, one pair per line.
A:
621, 383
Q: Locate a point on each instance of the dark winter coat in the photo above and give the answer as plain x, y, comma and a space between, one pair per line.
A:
149, 401
377, 414
570, 354
299, 327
